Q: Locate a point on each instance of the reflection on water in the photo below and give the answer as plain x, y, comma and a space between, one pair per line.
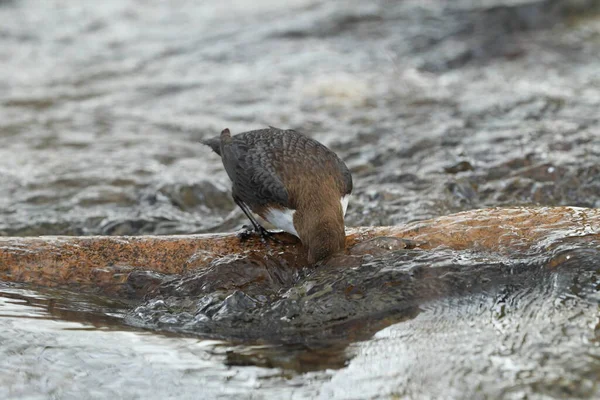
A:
508, 330
45, 356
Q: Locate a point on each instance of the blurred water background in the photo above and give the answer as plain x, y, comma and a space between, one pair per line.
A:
436, 106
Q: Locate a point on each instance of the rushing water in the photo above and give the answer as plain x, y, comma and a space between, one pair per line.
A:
436, 106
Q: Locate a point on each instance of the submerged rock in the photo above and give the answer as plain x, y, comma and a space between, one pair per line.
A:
217, 285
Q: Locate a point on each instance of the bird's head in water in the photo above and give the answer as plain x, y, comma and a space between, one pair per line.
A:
322, 231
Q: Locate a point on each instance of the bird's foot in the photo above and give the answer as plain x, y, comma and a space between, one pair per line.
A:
267, 235
247, 231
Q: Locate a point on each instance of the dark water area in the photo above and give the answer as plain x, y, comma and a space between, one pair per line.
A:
437, 107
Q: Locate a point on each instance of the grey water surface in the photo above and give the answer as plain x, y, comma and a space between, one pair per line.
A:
436, 106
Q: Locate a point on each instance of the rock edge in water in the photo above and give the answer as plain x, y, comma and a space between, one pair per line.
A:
104, 263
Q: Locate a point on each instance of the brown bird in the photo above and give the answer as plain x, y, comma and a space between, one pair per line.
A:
290, 180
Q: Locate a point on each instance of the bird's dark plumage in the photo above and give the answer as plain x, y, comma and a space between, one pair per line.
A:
302, 180
253, 160
214, 143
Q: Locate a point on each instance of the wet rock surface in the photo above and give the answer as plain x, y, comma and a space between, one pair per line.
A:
437, 107
244, 299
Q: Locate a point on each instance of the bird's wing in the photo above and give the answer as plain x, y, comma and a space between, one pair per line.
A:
346, 176
255, 180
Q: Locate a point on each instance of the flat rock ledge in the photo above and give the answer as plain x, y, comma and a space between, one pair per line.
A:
104, 263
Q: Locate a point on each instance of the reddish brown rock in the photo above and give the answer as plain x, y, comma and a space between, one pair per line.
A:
106, 262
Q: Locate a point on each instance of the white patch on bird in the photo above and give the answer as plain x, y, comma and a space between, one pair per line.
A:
282, 219
344, 201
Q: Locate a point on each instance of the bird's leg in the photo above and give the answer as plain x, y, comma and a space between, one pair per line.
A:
264, 234
246, 211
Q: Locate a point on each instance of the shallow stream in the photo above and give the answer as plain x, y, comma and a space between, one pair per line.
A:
437, 107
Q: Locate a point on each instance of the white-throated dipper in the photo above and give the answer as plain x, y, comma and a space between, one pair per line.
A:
290, 180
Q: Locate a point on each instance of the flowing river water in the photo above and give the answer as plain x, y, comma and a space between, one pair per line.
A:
437, 107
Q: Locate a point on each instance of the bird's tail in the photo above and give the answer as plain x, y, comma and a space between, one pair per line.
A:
214, 143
